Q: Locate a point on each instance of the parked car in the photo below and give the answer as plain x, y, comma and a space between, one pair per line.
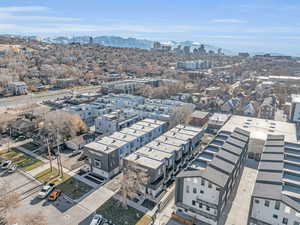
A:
97, 220
5, 164
46, 190
85, 169
12, 168
75, 153
54, 194
82, 157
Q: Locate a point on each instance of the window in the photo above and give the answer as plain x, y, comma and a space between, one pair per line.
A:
209, 185
207, 208
277, 205
200, 206
187, 189
202, 182
97, 163
275, 216
267, 203
201, 192
285, 221
195, 190
193, 202
296, 223
256, 201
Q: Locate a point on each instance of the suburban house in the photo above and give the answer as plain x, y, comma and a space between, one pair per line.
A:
199, 118
23, 126
216, 121
79, 142
250, 109
268, 108
230, 105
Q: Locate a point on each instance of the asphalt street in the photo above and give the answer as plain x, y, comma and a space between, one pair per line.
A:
32, 98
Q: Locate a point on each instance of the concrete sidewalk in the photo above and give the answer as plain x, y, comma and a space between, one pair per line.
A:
14, 145
92, 201
238, 213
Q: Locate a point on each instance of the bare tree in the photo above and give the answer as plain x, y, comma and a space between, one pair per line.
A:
68, 125
181, 115
134, 182
9, 202
5, 120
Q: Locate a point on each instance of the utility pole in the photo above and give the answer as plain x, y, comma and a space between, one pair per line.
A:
9, 139
59, 164
49, 154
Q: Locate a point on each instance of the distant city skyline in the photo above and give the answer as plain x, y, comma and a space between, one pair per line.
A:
237, 25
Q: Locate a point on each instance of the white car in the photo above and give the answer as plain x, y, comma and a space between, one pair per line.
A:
46, 190
97, 220
5, 164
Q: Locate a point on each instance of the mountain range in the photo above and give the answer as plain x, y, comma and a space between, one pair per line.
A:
116, 41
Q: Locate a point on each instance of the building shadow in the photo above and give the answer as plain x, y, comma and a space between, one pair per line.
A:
252, 163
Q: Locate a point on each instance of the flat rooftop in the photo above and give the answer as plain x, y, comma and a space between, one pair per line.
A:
163, 146
170, 140
153, 154
144, 161
260, 128
123, 137
133, 132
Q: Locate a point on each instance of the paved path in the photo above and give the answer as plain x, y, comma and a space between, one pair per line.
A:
238, 213
14, 145
96, 199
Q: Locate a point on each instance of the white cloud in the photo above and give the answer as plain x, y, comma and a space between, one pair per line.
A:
23, 9
64, 28
228, 21
10, 17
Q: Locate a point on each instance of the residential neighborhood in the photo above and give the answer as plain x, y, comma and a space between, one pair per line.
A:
149, 112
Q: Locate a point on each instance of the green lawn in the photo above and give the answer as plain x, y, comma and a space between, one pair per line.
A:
112, 210
148, 204
47, 175
70, 186
22, 160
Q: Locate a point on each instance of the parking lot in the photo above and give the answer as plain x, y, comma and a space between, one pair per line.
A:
62, 211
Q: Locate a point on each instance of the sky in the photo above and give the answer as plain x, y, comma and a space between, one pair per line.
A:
237, 25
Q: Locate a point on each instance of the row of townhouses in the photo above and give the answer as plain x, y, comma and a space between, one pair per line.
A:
130, 86
276, 195
116, 121
204, 189
105, 155
163, 158
145, 108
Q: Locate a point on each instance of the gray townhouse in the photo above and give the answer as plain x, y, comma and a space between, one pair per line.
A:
106, 155
204, 188
163, 158
276, 194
